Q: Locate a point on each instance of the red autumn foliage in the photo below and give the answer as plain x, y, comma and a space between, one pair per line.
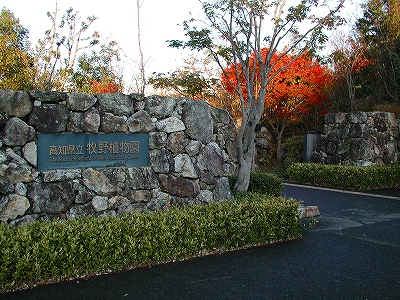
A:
360, 63
294, 91
99, 87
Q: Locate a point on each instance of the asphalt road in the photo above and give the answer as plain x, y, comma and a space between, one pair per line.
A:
352, 253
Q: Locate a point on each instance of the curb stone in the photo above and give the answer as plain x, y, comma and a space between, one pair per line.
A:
308, 211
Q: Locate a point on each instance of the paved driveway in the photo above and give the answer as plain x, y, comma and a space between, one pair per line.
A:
352, 253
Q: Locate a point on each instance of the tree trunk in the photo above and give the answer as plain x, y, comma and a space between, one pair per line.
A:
279, 142
279, 148
246, 149
243, 179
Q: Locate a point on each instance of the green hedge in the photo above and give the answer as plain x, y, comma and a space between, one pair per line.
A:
43, 251
262, 182
352, 177
293, 150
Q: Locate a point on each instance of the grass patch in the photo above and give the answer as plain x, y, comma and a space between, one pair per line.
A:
350, 177
46, 251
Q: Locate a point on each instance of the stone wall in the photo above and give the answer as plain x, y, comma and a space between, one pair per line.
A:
358, 138
192, 151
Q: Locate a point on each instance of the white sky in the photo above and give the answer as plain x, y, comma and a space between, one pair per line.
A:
117, 20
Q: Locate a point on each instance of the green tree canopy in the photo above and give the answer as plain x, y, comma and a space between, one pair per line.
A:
16, 65
186, 82
56, 54
100, 67
379, 31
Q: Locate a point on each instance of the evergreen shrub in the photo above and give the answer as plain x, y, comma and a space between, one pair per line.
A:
351, 177
48, 251
263, 183
293, 150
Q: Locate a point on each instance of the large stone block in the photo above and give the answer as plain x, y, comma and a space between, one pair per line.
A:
140, 122
30, 153
89, 121
228, 132
330, 118
211, 158
118, 201
220, 115
111, 123
333, 160
29, 219
198, 121
116, 103
61, 175
343, 147
179, 186
11, 156
222, 190
177, 142
380, 125
161, 160
343, 131
100, 203
6, 187
357, 117
160, 107
333, 136
205, 196
331, 148
157, 140
13, 206
360, 130
20, 173
48, 96
51, 198
17, 133
141, 178
171, 124
390, 155
318, 157
98, 182
193, 148
137, 97
80, 101
83, 197
49, 118
3, 119
185, 167
360, 149
80, 211
140, 196
131, 208
15, 103
340, 118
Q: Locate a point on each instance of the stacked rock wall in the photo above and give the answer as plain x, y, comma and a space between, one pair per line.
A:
358, 138
192, 151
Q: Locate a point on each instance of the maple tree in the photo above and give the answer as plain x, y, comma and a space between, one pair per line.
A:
291, 94
235, 32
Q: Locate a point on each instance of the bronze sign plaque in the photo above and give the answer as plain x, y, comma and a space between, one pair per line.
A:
70, 150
